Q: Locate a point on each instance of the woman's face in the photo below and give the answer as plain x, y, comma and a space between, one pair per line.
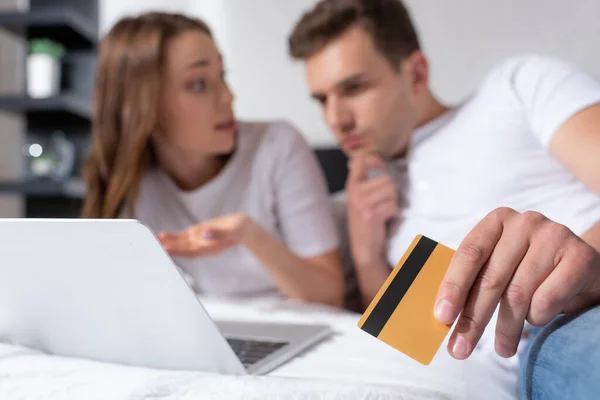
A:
196, 106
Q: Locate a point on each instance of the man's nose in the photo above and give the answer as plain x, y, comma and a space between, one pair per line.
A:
339, 118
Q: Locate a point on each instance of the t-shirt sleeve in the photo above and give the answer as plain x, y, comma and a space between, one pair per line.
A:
550, 91
302, 202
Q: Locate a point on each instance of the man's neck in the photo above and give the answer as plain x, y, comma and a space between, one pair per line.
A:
430, 110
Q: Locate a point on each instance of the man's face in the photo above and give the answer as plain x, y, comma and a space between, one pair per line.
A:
367, 104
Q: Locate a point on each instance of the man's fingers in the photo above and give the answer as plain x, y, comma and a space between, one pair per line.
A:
375, 184
564, 286
386, 209
359, 166
487, 290
590, 294
377, 190
470, 257
511, 316
514, 306
357, 171
539, 262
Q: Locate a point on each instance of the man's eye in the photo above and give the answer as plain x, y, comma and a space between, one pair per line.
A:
353, 88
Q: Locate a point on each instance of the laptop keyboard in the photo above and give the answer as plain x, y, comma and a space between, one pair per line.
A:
252, 351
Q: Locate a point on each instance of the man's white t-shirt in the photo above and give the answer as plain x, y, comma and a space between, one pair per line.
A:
274, 177
492, 151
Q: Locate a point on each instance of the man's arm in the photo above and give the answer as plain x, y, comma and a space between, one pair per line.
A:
371, 202
591, 295
370, 279
592, 236
576, 145
533, 268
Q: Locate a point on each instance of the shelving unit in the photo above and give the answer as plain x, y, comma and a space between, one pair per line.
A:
73, 188
62, 23
70, 104
74, 24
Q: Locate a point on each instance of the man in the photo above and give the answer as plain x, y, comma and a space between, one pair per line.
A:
511, 177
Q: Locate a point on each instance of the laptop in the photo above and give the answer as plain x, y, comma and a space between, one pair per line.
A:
106, 290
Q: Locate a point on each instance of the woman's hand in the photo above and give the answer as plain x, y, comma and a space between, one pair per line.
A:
313, 279
208, 238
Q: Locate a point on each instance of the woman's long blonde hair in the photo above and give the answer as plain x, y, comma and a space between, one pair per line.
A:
126, 100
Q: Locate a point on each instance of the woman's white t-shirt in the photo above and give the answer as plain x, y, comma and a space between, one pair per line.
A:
274, 177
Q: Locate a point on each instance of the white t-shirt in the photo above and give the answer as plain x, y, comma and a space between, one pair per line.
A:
274, 177
492, 151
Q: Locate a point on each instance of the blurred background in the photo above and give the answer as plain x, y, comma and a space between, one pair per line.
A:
47, 61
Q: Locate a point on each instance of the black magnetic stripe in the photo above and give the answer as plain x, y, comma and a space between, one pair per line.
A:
399, 286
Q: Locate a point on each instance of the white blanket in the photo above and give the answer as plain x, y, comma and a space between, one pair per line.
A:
350, 365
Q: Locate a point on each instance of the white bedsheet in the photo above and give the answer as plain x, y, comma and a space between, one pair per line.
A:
350, 365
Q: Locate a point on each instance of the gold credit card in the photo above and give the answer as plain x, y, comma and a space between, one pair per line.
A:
401, 314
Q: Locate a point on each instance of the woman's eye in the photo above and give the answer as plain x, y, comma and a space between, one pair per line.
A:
198, 86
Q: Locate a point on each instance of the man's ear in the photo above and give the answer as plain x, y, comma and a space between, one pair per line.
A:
417, 66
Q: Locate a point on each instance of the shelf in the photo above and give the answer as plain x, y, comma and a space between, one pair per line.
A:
63, 24
72, 188
53, 207
72, 104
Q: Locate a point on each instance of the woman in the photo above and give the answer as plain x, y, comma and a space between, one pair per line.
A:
241, 207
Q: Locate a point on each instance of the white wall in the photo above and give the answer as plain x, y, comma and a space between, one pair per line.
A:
112, 10
268, 84
252, 36
463, 39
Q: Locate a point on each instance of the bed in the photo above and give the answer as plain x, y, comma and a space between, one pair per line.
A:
349, 365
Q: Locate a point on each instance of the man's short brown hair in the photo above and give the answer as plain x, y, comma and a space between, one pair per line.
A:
387, 21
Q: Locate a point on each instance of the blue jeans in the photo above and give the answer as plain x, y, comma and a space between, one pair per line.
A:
563, 359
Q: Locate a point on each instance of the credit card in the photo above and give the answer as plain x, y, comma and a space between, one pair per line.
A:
401, 314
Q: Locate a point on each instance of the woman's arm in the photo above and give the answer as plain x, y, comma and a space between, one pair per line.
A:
306, 220
315, 279
303, 256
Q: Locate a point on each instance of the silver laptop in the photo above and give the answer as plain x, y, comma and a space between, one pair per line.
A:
106, 290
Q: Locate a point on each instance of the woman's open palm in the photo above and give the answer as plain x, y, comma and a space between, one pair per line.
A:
207, 238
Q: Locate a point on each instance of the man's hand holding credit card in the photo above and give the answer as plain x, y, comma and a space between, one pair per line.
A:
401, 314
433, 287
